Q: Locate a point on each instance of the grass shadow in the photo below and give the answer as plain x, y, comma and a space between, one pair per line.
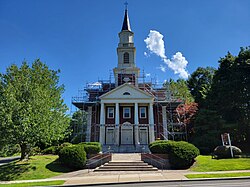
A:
56, 166
12, 170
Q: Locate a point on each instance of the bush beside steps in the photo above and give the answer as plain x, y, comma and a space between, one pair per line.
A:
181, 154
73, 157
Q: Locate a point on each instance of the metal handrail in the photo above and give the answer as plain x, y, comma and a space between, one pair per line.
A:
161, 163
96, 161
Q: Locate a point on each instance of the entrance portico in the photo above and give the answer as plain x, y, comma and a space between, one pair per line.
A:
128, 120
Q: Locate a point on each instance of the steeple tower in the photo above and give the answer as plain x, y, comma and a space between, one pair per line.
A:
126, 70
126, 25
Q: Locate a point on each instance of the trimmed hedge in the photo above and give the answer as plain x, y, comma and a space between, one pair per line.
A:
182, 155
161, 147
158, 142
73, 156
92, 143
224, 152
55, 149
51, 150
91, 147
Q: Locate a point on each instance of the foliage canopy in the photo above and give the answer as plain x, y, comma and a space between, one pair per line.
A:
31, 107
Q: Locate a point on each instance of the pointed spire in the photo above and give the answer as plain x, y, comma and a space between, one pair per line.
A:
126, 25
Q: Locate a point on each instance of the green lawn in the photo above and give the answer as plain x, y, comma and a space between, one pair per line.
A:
206, 163
49, 183
218, 175
37, 167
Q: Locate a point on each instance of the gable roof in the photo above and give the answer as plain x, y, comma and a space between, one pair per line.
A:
127, 91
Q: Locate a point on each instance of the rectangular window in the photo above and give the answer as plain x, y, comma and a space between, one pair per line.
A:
110, 112
126, 112
143, 112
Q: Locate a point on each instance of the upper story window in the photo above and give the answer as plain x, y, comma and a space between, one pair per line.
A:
143, 112
110, 112
126, 58
126, 112
126, 93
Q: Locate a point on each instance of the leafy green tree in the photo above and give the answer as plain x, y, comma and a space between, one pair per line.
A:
230, 96
78, 126
199, 83
208, 125
226, 107
31, 107
179, 90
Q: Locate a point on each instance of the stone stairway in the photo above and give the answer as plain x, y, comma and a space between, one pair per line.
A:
125, 149
126, 162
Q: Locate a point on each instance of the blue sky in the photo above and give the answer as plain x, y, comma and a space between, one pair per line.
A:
80, 37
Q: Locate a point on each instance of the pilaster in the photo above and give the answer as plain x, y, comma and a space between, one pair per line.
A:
164, 122
102, 124
89, 121
151, 123
136, 124
117, 124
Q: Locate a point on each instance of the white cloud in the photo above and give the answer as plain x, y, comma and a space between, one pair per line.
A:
148, 75
162, 68
178, 63
146, 54
155, 43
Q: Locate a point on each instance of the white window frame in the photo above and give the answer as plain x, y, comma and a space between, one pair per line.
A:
141, 112
126, 58
111, 110
124, 109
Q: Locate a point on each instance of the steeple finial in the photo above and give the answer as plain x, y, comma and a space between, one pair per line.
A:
126, 25
126, 5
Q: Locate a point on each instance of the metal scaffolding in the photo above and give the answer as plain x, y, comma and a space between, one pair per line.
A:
176, 127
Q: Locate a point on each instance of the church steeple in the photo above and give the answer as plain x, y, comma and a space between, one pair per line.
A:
126, 25
126, 70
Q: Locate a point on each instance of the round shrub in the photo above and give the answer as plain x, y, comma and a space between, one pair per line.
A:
93, 143
73, 156
157, 142
91, 147
51, 150
60, 147
161, 147
182, 155
224, 151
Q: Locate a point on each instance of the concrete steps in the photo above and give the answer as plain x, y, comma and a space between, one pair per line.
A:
125, 149
125, 166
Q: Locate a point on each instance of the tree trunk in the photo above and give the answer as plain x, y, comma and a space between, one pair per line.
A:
24, 151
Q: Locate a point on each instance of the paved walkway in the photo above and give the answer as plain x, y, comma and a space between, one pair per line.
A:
85, 177
118, 177
126, 157
89, 177
6, 160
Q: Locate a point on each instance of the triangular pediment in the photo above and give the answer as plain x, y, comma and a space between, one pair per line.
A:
127, 92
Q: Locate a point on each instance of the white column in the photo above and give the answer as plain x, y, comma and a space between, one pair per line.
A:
136, 114
117, 114
151, 123
102, 124
89, 121
117, 123
136, 125
164, 122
